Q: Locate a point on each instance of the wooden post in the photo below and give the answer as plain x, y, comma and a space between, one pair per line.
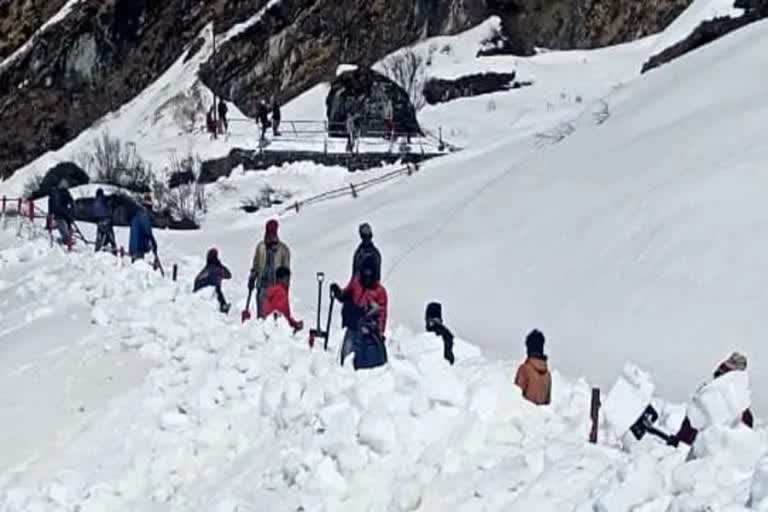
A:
31, 210
594, 413
4, 200
215, 106
175, 272
18, 208
354, 192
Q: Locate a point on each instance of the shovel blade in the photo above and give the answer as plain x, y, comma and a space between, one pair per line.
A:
245, 316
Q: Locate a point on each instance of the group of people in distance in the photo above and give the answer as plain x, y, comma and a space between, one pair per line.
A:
220, 125
61, 215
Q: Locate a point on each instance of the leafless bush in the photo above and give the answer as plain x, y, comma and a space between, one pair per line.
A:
602, 113
490, 106
407, 69
32, 186
267, 197
188, 200
114, 162
554, 135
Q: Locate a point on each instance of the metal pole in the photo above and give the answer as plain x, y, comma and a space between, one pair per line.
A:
215, 106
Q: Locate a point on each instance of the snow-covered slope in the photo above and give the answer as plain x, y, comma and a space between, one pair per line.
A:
635, 238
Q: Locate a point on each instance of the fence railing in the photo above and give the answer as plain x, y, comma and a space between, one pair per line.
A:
352, 189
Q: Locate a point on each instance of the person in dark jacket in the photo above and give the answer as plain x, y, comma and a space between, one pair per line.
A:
533, 376
366, 250
687, 434
213, 274
223, 123
434, 324
61, 208
141, 240
276, 117
367, 318
276, 300
262, 115
102, 214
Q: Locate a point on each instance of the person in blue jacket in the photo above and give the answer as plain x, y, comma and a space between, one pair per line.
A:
141, 240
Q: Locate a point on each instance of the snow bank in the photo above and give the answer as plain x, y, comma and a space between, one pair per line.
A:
247, 417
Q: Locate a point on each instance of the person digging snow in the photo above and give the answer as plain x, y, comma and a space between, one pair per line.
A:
533, 376
687, 434
141, 239
271, 254
61, 207
213, 274
366, 318
433, 317
102, 214
276, 299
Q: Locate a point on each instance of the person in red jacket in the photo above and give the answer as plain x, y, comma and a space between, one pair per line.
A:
366, 319
276, 299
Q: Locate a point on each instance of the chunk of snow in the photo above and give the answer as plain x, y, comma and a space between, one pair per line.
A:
721, 401
628, 398
377, 431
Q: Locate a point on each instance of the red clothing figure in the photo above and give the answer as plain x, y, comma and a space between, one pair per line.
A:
276, 301
373, 296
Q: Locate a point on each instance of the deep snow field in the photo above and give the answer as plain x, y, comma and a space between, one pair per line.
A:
635, 240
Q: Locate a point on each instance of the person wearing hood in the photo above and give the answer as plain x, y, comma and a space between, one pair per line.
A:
213, 274
533, 376
365, 250
687, 434
61, 208
271, 253
366, 318
141, 240
276, 299
102, 214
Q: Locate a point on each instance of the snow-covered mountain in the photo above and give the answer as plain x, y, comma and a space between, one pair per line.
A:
619, 213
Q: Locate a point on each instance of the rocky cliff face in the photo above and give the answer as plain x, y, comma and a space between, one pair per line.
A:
19, 19
103, 53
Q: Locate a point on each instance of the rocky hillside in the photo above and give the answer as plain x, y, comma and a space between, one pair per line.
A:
19, 19
102, 54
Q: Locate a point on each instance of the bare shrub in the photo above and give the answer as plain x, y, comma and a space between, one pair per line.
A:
407, 69
267, 197
554, 135
187, 201
32, 186
490, 106
114, 162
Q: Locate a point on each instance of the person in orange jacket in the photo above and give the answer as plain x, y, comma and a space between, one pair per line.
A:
533, 376
276, 299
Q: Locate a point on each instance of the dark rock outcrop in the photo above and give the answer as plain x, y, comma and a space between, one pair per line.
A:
709, 31
20, 19
438, 90
564, 24
69, 171
365, 94
252, 160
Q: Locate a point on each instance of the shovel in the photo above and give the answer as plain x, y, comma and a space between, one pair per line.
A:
246, 314
644, 425
317, 332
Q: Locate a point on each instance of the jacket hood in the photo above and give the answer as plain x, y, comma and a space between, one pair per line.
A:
539, 363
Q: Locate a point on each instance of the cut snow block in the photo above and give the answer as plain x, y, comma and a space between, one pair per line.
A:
628, 398
759, 495
720, 402
377, 431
